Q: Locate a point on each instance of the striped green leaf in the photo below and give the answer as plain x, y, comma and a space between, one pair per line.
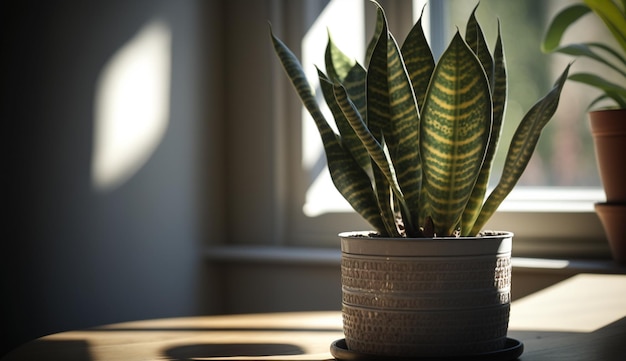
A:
338, 64
455, 125
377, 93
418, 60
354, 83
476, 41
348, 177
380, 23
499, 93
344, 70
355, 86
349, 140
404, 150
384, 195
376, 150
521, 149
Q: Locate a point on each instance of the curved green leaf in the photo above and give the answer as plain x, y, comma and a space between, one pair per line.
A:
605, 96
613, 17
600, 83
618, 56
585, 49
455, 126
560, 23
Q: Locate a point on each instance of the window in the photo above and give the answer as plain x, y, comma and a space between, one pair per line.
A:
551, 210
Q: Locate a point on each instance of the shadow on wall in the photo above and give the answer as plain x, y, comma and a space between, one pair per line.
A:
102, 188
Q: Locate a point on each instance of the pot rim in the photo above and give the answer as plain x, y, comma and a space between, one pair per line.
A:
373, 235
608, 123
607, 110
362, 243
610, 207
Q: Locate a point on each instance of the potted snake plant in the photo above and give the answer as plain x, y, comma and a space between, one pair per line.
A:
413, 155
608, 123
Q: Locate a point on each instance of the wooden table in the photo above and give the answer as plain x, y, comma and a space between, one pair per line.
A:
582, 318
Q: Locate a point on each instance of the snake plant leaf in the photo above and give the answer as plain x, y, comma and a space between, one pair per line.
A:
499, 94
384, 173
560, 23
612, 16
348, 177
375, 149
521, 149
383, 193
404, 117
377, 91
455, 126
476, 41
353, 79
355, 86
419, 61
349, 139
294, 71
338, 64
380, 23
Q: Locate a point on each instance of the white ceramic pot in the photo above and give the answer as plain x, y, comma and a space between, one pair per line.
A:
425, 297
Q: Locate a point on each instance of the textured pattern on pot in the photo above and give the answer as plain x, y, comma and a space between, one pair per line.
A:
425, 297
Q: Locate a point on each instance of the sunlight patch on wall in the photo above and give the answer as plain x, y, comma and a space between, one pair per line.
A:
131, 106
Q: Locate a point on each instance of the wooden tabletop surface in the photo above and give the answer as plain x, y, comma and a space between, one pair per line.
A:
581, 318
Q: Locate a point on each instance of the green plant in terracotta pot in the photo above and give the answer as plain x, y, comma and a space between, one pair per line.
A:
413, 157
608, 124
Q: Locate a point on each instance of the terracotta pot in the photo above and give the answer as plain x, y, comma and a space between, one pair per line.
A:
429, 297
613, 218
608, 128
